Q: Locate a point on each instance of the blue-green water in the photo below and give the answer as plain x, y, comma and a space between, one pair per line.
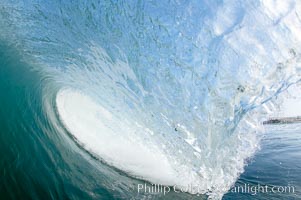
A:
99, 97
276, 164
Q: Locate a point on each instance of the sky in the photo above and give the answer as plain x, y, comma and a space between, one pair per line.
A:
291, 106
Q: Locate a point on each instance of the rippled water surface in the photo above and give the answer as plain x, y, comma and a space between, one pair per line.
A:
276, 164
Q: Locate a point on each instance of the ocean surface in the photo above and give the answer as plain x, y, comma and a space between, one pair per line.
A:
276, 164
105, 99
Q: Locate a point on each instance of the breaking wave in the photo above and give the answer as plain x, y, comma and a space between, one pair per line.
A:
171, 93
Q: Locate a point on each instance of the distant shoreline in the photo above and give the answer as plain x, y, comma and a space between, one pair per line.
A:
283, 120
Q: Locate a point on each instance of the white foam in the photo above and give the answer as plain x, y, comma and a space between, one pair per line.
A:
102, 134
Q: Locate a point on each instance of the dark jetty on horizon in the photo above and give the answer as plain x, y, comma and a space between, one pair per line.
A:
283, 120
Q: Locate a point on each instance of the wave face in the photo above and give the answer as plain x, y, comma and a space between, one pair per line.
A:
171, 92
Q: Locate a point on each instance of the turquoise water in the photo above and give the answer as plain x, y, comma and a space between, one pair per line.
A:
98, 98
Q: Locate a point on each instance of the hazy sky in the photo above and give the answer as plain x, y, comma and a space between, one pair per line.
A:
292, 104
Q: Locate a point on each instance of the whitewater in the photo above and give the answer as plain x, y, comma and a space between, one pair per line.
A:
170, 92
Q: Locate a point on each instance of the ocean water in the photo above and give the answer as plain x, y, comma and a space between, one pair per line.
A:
276, 164
99, 98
